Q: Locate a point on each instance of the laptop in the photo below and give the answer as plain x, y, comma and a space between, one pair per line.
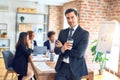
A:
39, 50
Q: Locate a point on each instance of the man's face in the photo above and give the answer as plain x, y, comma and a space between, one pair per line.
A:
52, 38
72, 19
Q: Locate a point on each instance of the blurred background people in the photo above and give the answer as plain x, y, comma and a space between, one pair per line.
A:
50, 43
31, 37
20, 63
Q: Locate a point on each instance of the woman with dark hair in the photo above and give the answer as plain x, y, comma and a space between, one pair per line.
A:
20, 63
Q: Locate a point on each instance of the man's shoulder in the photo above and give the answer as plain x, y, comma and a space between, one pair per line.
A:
83, 30
63, 30
46, 41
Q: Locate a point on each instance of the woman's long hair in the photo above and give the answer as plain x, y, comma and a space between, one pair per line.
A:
22, 39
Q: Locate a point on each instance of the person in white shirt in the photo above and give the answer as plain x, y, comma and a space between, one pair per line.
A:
50, 43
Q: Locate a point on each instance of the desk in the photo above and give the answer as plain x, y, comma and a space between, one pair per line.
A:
50, 75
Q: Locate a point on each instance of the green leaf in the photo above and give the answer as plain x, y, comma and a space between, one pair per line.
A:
99, 57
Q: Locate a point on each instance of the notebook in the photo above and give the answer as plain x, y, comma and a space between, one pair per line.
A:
39, 50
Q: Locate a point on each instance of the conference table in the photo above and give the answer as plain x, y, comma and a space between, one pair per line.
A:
44, 68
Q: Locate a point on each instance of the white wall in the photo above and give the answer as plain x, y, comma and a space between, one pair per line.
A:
9, 16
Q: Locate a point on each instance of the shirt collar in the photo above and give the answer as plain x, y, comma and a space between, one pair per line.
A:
52, 42
75, 27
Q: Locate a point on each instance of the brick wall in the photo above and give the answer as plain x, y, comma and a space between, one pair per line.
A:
70, 5
114, 11
55, 19
91, 14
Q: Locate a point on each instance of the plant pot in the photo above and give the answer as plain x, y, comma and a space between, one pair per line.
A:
101, 71
21, 20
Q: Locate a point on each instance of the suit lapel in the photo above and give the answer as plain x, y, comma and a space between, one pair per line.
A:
66, 33
78, 30
49, 44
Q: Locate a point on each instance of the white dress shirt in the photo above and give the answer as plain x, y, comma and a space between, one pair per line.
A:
52, 45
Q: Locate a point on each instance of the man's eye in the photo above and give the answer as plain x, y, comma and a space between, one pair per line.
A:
68, 18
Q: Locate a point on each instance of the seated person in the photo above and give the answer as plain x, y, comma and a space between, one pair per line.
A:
50, 43
20, 63
31, 37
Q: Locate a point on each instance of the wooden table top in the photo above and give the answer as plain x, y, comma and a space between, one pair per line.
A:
52, 72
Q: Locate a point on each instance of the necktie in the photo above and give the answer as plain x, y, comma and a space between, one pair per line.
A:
69, 38
70, 33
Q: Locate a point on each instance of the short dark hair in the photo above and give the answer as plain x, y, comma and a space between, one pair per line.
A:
50, 33
71, 10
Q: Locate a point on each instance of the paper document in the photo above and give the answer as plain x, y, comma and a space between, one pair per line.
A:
40, 58
43, 66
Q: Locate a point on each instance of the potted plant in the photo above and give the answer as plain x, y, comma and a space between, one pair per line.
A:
39, 29
4, 34
99, 57
22, 18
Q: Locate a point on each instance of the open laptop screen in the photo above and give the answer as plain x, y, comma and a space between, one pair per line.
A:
39, 50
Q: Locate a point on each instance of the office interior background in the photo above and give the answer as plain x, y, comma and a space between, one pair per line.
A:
47, 16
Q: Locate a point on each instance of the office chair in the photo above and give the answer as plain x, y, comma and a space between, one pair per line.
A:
8, 57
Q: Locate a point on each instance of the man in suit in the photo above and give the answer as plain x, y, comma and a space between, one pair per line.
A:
71, 63
50, 43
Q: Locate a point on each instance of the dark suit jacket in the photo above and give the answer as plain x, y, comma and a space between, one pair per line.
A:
47, 44
76, 55
20, 62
